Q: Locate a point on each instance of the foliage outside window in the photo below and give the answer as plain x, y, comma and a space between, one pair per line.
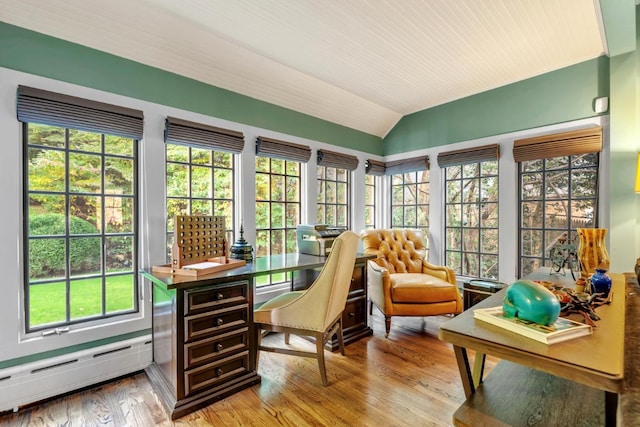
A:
277, 210
81, 232
410, 200
333, 196
199, 182
370, 201
471, 219
557, 195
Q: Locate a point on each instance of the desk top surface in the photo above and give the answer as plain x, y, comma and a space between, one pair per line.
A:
596, 360
259, 267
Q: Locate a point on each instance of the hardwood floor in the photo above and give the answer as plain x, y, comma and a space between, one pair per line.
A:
409, 379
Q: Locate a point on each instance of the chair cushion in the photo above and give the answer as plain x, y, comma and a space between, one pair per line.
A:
420, 288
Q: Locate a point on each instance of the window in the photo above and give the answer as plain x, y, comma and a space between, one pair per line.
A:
278, 207
558, 192
557, 195
199, 182
370, 201
200, 172
80, 193
409, 193
334, 188
333, 196
471, 211
373, 170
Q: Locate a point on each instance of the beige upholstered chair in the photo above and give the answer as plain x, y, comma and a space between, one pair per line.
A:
401, 282
315, 312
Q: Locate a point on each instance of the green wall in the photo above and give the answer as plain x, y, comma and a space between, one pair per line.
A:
556, 97
50, 57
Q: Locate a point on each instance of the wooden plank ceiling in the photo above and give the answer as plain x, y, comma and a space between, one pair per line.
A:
359, 63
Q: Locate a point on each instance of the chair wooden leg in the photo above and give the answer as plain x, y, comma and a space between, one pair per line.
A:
320, 356
387, 325
370, 308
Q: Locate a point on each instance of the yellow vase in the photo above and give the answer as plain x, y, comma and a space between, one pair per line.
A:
592, 252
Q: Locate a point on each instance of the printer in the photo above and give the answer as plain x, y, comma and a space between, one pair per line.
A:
316, 239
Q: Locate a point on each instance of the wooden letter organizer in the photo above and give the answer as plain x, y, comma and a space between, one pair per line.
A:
199, 247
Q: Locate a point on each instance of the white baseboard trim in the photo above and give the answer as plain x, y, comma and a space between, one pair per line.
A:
29, 383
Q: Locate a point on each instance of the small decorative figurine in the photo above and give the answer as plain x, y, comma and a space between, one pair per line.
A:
531, 301
241, 249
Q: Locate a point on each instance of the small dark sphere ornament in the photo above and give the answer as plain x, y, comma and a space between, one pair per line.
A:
241, 249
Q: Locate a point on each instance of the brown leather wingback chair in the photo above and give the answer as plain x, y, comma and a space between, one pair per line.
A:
401, 282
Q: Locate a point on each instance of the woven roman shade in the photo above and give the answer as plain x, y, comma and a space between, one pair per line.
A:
184, 132
574, 142
337, 160
268, 147
413, 164
55, 109
374, 167
469, 155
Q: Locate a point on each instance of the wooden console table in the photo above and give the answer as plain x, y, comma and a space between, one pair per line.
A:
558, 372
204, 343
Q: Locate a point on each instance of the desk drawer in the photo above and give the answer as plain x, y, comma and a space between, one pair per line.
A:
207, 350
357, 280
214, 322
215, 373
354, 313
215, 297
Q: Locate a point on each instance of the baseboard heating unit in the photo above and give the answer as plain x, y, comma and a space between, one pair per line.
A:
29, 383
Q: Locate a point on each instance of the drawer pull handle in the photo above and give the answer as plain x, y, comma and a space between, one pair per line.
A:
219, 347
219, 322
219, 372
220, 295
352, 314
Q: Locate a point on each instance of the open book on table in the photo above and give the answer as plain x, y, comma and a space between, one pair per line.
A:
561, 330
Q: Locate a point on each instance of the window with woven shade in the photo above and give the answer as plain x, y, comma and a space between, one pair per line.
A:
334, 187
278, 199
200, 161
409, 192
558, 193
471, 210
81, 216
374, 170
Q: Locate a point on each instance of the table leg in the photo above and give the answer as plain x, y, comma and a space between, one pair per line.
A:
465, 370
478, 368
610, 408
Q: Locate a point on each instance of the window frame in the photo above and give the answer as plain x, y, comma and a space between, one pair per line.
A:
104, 317
402, 176
267, 281
322, 173
229, 224
461, 178
571, 232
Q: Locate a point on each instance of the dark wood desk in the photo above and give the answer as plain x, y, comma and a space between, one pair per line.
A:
596, 361
204, 343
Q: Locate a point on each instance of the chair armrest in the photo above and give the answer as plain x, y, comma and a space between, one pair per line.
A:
379, 285
440, 271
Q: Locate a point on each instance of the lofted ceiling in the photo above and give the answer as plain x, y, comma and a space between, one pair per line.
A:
359, 63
